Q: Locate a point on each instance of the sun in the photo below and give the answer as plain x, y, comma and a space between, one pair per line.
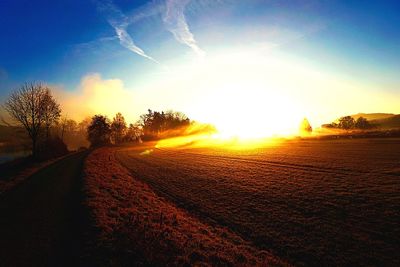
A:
247, 99
247, 92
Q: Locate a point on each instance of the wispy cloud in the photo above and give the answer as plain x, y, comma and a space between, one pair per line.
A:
120, 22
175, 22
126, 41
172, 13
78, 48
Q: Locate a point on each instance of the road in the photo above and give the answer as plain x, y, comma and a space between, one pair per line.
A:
41, 220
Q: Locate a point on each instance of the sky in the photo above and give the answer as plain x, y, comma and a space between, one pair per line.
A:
249, 67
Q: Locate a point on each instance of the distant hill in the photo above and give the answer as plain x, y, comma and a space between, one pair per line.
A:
12, 138
9, 132
373, 116
388, 123
381, 120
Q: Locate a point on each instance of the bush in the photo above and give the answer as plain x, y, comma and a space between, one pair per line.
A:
52, 148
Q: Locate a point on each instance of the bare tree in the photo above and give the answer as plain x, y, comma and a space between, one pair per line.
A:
133, 132
63, 125
118, 128
51, 111
26, 106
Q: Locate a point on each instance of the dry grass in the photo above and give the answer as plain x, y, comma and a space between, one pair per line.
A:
136, 226
311, 202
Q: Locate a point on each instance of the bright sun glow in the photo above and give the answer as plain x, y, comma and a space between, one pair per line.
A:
248, 93
256, 92
245, 95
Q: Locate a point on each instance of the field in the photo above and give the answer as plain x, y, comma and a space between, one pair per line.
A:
133, 226
331, 202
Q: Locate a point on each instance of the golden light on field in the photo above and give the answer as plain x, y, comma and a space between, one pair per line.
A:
216, 140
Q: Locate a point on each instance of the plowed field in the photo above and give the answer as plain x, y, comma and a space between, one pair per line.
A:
310, 202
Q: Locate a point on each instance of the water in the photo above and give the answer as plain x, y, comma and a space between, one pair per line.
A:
8, 156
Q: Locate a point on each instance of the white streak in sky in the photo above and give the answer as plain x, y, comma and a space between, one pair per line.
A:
173, 17
126, 41
175, 22
120, 22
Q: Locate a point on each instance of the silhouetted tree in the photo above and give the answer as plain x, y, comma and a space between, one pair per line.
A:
346, 123
51, 111
32, 106
99, 131
155, 124
362, 123
133, 133
84, 124
118, 128
74, 134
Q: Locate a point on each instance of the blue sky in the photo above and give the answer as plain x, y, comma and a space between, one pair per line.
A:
61, 42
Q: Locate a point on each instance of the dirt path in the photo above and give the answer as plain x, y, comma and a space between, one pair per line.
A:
40, 220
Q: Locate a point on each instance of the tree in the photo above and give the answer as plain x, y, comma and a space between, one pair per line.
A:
305, 127
133, 133
71, 132
157, 125
99, 131
362, 123
346, 123
118, 128
28, 106
63, 126
84, 124
51, 111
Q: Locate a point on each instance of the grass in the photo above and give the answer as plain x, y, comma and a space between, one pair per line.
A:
311, 202
135, 226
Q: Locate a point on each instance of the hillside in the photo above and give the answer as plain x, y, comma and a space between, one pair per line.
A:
381, 120
388, 123
373, 116
12, 138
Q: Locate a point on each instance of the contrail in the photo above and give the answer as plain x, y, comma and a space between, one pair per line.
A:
172, 15
126, 41
175, 22
120, 22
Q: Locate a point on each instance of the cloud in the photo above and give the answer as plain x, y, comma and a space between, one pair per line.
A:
93, 44
96, 95
120, 22
175, 22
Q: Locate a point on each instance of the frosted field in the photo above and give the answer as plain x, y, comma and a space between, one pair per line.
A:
310, 202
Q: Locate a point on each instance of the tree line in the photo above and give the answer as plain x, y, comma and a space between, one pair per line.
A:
152, 125
34, 107
349, 123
